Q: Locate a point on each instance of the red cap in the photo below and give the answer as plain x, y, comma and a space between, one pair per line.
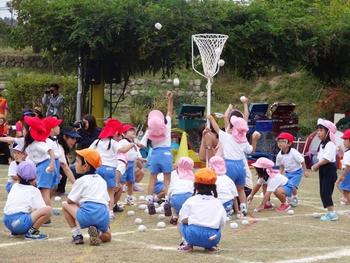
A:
111, 127
127, 127
37, 128
346, 134
286, 136
51, 122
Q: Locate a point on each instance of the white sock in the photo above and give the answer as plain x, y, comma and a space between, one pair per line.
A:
149, 198
76, 231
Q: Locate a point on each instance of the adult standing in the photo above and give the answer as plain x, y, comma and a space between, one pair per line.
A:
3, 102
54, 101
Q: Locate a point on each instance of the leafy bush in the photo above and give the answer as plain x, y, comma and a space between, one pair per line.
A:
27, 90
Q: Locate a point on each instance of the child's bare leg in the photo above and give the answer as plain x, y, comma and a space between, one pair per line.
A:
45, 193
264, 187
40, 216
281, 195
347, 196
70, 213
118, 193
111, 197
152, 182
161, 195
166, 182
130, 188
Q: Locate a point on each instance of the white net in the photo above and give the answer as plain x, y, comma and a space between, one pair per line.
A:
210, 47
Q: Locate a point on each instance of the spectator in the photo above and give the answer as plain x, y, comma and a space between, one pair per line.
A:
3, 101
54, 101
88, 130
19, 123
4, 147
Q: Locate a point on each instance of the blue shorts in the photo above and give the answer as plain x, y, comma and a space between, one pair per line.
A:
108, 174
345, 184
93, 214
288, 188
129, 175
178, 200
236, 171
199, 235
295, 177
45, 179
228, 206
8, 186
161, 160
18, 223
158, 187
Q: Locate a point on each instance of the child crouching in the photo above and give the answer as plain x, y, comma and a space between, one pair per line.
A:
25, 210
87, 203
202, 216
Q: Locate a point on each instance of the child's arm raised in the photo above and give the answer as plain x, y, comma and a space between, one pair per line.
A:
226, 116
255, 137
170, 97
245, 109
214, 124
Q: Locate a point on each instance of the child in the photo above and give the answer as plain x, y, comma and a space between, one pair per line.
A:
87, 203
159, 189
276, 183
235, 146
159, 134
107, 147
25, 210
181, 186
42, 155
202, 216
326, 165
19, 156
225, 187
133, 154
344, 180
291, 162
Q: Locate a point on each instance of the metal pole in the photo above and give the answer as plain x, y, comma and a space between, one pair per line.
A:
79, 92
110, 100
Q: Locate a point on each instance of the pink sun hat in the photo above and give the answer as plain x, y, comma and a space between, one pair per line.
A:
239, 129
217, 163
330, 126
267, 164
156, 126
185, 168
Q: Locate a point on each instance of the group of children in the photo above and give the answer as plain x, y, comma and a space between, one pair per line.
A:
198, 202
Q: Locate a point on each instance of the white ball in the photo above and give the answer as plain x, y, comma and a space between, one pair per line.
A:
234, 225
161, 216
142, 198
156, 205
142, 207
316, 215
243, 99
221, 62
245, 222
146, 211
131, 213
138, 221
176, 82
290, 212
158, 26
159, 210
57, 198
161, 225
142, 228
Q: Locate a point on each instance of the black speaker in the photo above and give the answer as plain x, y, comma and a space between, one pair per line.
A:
93, 72
111, 71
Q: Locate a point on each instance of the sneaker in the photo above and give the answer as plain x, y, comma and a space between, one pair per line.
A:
137, 188
130, 200
243, 208
78, 239
35, 236
167, 209
213, 249
151, 208
118, 209
293, 201
185, 248
268, 206
173, 221
94, 238
284, 208
330, 216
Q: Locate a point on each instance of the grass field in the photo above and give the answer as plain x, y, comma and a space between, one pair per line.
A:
269, 237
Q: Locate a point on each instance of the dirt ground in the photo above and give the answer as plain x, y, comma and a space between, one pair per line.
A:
269, 237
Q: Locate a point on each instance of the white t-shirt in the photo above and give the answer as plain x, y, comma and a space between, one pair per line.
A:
178, 185
62, 156
12, 171
55, 147
108, 156
203, 210
291, 161
166, 142
226, 188
131, 155
329, 152
38, 152
89, 188
233, 150
23, 198
273, 182
346, 159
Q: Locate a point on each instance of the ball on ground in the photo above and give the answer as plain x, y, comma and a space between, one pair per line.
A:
234, 225
138, 221
142, 228
161, 225
142, 198
161, 216
142, 207
290, 212
131, 213
316, 215
57, 198
245, 222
